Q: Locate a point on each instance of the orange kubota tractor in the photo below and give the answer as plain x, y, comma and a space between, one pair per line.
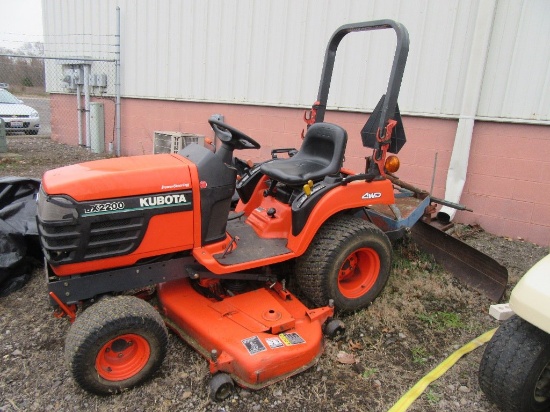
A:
120, 233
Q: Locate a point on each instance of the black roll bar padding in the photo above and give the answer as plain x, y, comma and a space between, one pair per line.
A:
396, 75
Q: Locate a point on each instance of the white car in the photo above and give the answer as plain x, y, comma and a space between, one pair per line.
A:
515, 369
18, 116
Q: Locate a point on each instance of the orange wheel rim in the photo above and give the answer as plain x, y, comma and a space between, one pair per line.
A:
122, 357
358, 273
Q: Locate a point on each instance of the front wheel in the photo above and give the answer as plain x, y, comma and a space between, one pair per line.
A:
115, 344
515, 368
349, 261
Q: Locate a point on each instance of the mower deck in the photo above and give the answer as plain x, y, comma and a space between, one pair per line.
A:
259, 337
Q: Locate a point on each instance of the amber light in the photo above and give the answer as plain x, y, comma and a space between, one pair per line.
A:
392, 164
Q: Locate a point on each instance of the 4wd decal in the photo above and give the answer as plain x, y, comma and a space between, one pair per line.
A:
374, 195
290, 339
253, 345
169, 202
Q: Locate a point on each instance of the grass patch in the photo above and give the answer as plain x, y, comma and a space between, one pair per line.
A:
432, 397
419, 355
369, 373
442, 320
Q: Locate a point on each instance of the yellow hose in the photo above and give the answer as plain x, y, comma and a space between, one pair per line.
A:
407, 399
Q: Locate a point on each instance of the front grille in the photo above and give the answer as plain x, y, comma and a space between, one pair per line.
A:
115, 237
72, 232
72, 242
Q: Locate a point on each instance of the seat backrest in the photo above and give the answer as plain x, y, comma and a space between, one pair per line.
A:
324, 143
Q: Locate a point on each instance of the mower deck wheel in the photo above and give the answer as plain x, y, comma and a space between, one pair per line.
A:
115, 344
221, 387
348, 260
334, 328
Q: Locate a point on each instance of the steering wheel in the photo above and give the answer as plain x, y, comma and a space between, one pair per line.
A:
232, 137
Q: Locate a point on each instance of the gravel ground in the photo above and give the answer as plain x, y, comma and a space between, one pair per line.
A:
423, 315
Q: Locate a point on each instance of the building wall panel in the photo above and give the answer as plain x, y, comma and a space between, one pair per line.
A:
517, 77
259, 64
270, 53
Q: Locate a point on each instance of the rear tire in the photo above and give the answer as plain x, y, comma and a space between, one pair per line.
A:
349, 261
514, 371
115, 344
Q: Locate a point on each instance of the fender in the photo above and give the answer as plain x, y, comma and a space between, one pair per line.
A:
326, 199
326, 202
530, 298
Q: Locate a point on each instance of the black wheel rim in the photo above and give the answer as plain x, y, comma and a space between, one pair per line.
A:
224, 391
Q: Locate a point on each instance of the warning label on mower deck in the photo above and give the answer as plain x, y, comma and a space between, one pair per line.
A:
291, 338
253, 345
274, 343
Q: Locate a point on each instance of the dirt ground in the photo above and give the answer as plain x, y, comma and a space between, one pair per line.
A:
422, 316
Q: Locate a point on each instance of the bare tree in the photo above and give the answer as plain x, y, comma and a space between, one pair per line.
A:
20, 71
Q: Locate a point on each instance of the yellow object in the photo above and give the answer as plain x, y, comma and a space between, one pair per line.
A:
307, 187
407, 399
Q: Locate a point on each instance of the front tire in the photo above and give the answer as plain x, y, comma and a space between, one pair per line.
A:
349, 261
115, 344
515, 368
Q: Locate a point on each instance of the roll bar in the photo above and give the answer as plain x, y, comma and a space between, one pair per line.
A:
396, 75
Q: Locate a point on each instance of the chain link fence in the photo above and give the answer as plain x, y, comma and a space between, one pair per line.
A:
65, 94
82, 101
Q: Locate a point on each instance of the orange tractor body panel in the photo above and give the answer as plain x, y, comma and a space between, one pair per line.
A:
121, 177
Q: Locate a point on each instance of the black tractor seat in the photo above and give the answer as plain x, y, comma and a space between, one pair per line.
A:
321, 154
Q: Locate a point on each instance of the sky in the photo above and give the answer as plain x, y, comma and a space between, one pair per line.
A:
21, 22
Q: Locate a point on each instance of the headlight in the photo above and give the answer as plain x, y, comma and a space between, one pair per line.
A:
55, 208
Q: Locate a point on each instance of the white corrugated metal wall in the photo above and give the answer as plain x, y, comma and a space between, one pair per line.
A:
517, 77
271, 52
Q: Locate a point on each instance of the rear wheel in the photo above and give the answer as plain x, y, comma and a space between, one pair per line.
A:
115, 344
349, 261
514, 371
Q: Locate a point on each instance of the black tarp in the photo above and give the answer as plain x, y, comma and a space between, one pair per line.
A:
19, 247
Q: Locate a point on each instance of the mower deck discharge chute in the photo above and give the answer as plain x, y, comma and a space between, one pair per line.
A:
117, 233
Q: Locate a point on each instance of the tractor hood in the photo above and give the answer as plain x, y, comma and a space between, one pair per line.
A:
530, 298
119, 177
